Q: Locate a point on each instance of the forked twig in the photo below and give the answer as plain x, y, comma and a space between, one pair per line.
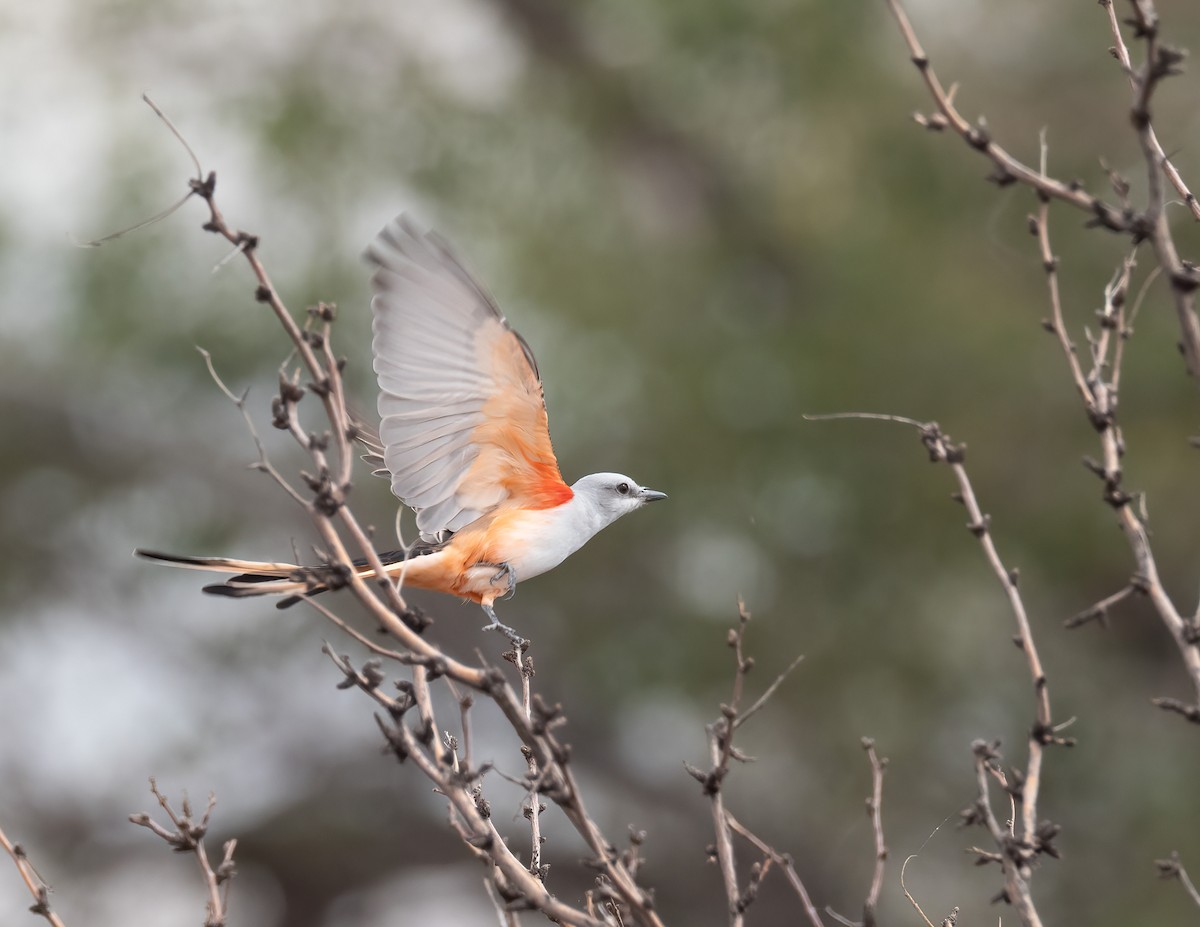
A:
979, 138
721, 753
1172, 868
1152, 225
1033, 838
37, 886
157, 217
1098, 390
314, 370
1121, 53
784, 862
187, 836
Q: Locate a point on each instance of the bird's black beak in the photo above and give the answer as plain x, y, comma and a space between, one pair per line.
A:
651, 495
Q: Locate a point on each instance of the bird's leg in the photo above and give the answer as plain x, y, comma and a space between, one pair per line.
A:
505, 572
500, 585
513, 637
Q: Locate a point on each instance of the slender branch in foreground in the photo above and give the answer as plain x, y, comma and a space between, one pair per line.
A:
784, 862
460, 786
950, 920
875, 810
312, 369
533, 810
721, 753
1161, 61
1008, 168
1121, 52
1033, 838
329, 511
1172, 868
1152, 225
37, 886
508, 917
1019, 847
1099, 392
1099, 611
187, 836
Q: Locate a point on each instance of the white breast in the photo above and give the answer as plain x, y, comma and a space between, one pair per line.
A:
541, 540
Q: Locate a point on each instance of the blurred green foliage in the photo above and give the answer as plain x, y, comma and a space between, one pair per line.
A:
708, 219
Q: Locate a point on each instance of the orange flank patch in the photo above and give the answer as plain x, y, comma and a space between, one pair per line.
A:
438, 572
455, 568
550, 489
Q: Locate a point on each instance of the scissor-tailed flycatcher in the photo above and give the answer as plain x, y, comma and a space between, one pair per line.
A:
464, 438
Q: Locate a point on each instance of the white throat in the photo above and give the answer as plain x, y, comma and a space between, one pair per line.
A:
543, 539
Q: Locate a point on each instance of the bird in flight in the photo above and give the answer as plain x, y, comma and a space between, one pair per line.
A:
464, 438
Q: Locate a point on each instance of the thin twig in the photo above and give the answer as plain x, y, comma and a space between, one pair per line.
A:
264, 461
721, 752
1172, 868
1121, 53
784, 862
533, 812
875, 810
1099, 611
1099, 393
978, 137
908, 894
1161, 61
157, 217
1099, 396
762, 700
720, 742
508, 918
1057, 324
188, 837
332, 454
1021, 846
37, 886
530, 887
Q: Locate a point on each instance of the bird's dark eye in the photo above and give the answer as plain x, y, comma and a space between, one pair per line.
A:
623, 489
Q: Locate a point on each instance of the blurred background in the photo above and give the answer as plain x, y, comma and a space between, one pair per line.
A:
708, 218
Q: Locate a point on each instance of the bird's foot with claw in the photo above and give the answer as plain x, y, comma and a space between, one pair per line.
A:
506, 574
513, 637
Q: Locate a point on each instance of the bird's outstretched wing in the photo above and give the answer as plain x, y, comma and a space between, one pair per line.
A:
462, 415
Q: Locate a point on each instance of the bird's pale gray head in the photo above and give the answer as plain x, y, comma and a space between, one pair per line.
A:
612, 495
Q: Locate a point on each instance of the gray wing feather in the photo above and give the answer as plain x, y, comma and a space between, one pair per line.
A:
428, 313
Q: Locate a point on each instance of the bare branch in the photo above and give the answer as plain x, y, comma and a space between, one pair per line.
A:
1099, 611
1161, 61
533, 810
721, 752
1099, 394
762, 700
720, 741
908, 894
37, 886
875, 810
188, 837
264, 462
784, 862
1020, 848
508, 917
157, 217
1172, 868
489, 840
978, 137
1057, 325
